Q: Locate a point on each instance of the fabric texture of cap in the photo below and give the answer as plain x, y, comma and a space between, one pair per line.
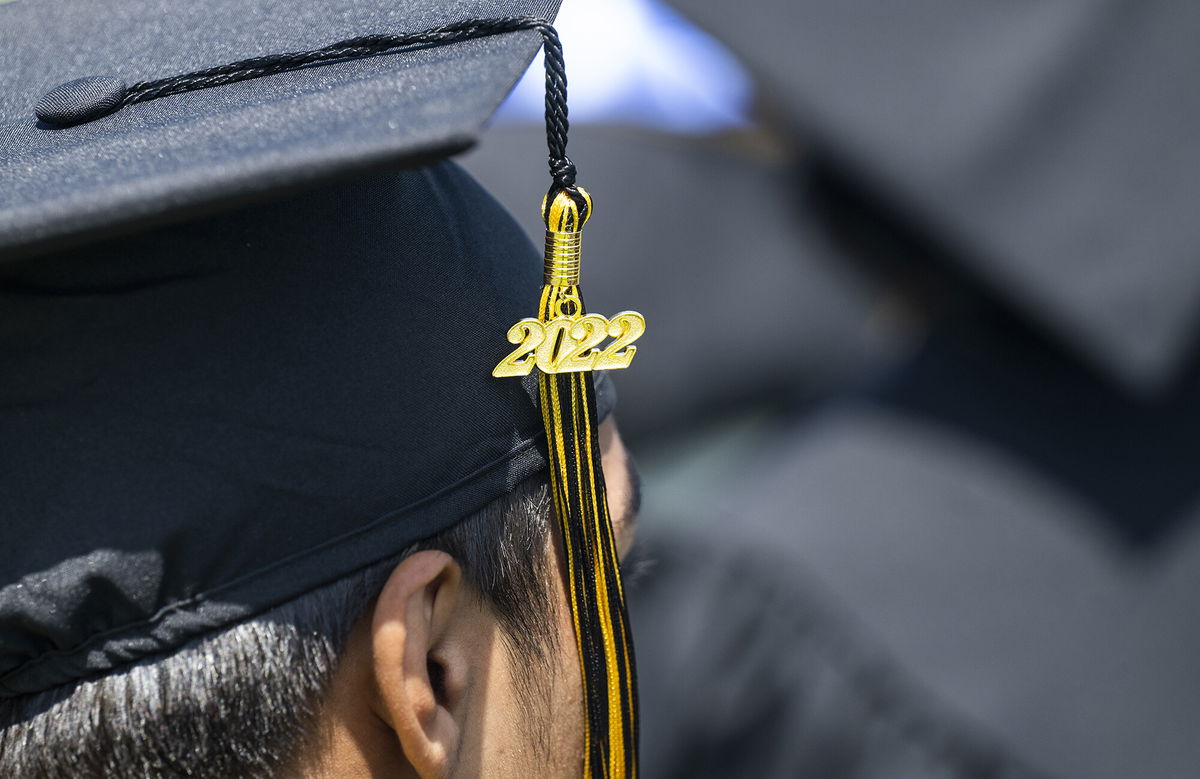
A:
1050, 147
205, 420
181, 155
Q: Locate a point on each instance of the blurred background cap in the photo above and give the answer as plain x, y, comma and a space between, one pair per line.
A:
1048, 146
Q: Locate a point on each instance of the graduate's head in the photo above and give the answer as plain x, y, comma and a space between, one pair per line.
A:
202, 404
280, 497
457, 657
459, 654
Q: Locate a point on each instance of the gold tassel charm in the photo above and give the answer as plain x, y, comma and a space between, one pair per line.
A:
564, 339
564, 342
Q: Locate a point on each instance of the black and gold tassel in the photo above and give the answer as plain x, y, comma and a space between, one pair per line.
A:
577, 485
566, 344
562, 341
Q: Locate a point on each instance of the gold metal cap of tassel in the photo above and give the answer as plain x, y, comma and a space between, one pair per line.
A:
563, 258
570, 341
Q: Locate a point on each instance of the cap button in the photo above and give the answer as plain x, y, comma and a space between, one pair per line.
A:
81, 100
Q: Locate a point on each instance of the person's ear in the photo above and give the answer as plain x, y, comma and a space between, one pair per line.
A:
421, 672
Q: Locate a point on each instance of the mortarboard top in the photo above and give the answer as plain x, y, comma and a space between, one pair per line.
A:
1051, 147
224, 386
179, 155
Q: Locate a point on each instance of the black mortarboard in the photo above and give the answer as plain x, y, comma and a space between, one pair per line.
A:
1050, 147
173, 156
210, 410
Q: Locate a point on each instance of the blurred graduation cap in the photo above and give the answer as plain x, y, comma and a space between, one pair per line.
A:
1049, 147
210, 410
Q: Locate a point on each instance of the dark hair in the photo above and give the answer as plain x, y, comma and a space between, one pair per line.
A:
244, 702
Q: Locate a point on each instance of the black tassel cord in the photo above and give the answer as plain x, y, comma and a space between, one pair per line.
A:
568, 399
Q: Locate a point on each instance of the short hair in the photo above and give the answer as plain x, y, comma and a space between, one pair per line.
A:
245, 702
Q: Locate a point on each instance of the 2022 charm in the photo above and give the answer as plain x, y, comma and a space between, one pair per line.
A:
568, 343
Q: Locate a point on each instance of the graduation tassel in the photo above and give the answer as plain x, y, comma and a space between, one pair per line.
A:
566, 344
562, 341
577, 485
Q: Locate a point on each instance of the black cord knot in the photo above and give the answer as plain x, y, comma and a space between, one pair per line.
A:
562, 170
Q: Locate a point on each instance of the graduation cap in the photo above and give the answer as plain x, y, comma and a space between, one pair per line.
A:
209, 411
1050, 148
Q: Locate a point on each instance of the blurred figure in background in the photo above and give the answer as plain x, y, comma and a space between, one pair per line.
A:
966, 548
1012, 510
